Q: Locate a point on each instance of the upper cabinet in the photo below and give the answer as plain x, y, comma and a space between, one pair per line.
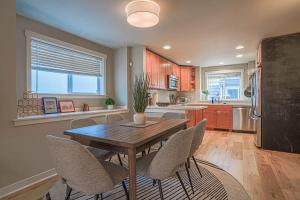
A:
187, 79
158, 69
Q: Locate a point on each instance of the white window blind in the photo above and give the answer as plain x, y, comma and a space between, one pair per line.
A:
53, 57
61, 68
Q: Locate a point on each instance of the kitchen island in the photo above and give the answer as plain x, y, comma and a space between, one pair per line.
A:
193, 113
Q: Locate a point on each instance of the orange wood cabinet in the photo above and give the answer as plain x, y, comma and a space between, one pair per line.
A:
218, 117
259, 56
187, 79
195, 116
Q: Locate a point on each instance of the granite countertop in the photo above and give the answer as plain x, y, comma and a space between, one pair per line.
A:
233, 104
178, 107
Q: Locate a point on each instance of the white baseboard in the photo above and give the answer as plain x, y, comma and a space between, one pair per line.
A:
25, 183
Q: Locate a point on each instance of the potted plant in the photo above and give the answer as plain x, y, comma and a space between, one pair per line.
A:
109, 102
140, 101
205, 92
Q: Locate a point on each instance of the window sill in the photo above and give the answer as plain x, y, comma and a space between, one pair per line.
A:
39, 119
71, 96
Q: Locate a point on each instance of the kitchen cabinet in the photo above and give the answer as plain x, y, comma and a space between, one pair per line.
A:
195, 116
158, 69
259, 56
218, 117
187, 79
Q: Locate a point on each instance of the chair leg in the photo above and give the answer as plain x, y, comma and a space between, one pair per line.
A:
101, 195
97, 197
143, 153
153, 182
109, 159
161, 144
149, 150
48, 197
182, 184
197, 166
120, 160
68, 192
125, 190
189, 176
160, 190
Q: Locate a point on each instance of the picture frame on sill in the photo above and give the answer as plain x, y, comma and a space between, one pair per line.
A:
50, 105
66, 106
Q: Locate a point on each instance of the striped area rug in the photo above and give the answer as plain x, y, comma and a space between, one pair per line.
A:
215, 184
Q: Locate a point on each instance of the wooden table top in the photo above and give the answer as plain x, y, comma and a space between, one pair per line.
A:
123, 136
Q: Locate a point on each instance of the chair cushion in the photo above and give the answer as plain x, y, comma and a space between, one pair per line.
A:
143, 164
100, 154
116, 172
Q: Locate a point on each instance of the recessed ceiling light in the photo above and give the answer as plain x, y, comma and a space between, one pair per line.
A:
221, 63
239, 56
167, 47
188, 62
142, 13
239, 47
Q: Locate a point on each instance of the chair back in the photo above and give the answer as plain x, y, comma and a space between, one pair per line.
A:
172, 115
80, 169
171, 155
113, 118
199, 131
78, 123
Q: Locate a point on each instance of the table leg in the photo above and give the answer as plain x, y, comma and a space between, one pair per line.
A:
132, 173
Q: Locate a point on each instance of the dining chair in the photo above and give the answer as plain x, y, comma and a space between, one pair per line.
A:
168, 160
99, 153
198, 135
113, 118
170, 115
82, 171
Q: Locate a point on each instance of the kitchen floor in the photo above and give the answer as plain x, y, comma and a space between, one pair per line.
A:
264, 174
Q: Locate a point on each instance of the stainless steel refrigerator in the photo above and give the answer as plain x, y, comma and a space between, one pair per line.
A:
276, 94
255, 111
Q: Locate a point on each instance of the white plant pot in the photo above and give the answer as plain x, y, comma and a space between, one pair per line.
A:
139, 118
110, 107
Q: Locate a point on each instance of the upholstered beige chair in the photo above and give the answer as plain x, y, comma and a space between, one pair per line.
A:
113, 118
166, 162
81, 170
99, 153
172, 115
199, 131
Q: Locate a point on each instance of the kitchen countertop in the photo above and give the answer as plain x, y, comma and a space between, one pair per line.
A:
177, 107
233, 104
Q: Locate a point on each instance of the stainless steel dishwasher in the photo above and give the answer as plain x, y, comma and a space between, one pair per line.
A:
242, 121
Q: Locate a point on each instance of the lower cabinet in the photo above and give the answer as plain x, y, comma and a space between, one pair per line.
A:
195, 116
218, 117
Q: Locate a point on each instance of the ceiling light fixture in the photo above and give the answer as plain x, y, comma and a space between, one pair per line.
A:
142, 13
239, 47
188, 62
167, 47
221, 63
239, 56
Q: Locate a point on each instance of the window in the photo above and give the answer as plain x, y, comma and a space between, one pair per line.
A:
60, 68
224, 85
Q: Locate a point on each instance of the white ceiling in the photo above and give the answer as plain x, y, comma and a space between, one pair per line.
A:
203, 31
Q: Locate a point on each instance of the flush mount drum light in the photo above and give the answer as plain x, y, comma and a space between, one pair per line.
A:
142, 13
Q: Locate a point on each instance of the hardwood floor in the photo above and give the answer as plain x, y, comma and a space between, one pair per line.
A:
264, 174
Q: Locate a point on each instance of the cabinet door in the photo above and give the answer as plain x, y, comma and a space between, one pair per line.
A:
184, 79
148, 68
199, 116
162, 73
191, 115
155, 70
211, 116
224, 119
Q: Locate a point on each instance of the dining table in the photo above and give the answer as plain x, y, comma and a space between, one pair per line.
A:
129, 140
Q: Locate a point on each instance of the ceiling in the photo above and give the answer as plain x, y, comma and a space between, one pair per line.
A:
203, 31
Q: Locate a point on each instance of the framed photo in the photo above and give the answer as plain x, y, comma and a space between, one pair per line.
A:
49, 105
66, 106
